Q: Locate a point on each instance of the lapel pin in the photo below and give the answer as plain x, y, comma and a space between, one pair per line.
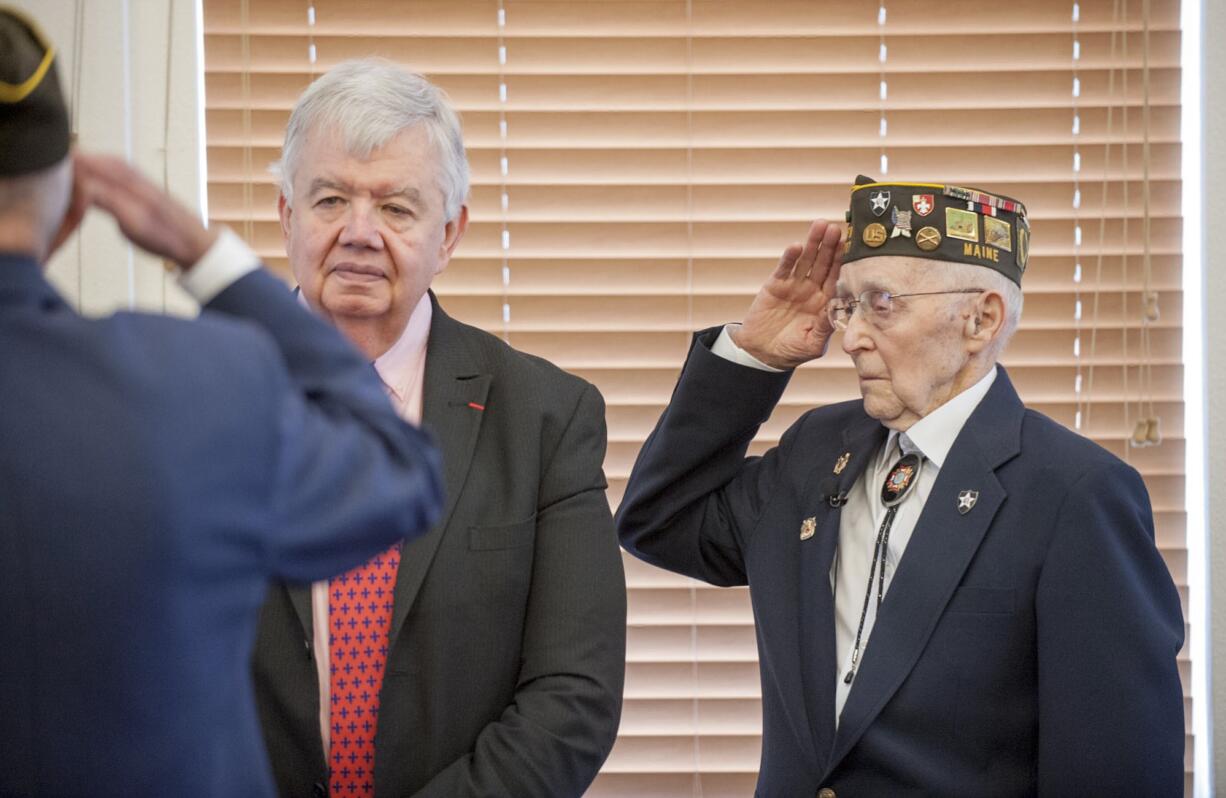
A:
808, 527
841, 463
966, 500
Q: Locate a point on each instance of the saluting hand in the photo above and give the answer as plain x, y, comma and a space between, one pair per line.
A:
787, 324
147, 216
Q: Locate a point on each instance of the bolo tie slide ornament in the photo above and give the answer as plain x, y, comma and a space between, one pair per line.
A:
899, 480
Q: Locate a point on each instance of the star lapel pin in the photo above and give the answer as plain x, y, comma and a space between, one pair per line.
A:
966, 500
808, 527
841, 463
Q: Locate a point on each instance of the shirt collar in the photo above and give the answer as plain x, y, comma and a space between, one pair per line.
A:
934, 434
22, 280
400, 365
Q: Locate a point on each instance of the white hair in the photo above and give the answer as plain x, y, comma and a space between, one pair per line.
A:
369, 102
954, 275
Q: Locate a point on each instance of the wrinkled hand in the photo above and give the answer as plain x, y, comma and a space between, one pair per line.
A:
787, 324
146, 215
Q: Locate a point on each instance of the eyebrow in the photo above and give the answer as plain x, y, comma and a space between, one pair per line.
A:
841, 289
320, 183
408, 193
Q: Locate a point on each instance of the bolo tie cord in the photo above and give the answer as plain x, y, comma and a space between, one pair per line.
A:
907, 471
883, 540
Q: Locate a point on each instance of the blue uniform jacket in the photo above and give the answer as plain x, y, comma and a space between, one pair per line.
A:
155, 475
1027, 646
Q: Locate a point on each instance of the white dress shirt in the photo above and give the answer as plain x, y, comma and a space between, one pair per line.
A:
933, 436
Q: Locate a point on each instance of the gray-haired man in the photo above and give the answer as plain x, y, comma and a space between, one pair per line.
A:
488, 657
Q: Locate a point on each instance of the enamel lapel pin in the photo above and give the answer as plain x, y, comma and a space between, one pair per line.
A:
966, 500
808, 527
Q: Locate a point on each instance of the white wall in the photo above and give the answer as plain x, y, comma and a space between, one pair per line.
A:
1213, 243
128, 50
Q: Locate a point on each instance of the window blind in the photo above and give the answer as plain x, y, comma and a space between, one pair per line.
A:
638, 165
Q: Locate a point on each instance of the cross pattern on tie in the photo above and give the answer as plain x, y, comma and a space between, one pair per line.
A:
359, 619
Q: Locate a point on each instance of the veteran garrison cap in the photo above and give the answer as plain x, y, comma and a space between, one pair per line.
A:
34, 130
939, 222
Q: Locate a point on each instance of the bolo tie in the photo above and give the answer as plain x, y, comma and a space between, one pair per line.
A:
897, 485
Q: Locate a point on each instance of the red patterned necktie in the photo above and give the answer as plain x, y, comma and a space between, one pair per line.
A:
359, 617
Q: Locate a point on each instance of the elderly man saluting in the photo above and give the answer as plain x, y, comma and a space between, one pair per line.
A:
954, 595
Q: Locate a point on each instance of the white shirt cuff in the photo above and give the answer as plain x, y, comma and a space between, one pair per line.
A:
226, 261
726, 348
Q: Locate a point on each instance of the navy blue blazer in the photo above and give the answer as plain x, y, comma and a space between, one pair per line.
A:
1027, 646
155, 475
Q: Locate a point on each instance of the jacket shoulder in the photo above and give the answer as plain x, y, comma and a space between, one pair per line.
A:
513, 367
207, 341
1064, 449
837, 416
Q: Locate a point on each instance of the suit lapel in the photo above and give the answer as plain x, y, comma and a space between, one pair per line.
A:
453, 406
937, 556
817, 648
300, 597
452, 385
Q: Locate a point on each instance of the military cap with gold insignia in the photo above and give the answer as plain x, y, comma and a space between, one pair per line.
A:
937, 221
34, 130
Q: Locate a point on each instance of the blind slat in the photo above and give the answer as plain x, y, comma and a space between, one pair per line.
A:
661, 153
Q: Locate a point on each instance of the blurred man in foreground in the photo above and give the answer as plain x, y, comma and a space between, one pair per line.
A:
156, 474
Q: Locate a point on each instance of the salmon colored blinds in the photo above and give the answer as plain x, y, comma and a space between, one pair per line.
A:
639, 164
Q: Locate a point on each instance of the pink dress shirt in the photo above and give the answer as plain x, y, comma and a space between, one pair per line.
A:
402, 369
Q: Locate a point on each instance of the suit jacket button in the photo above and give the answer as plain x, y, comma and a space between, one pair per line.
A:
320, 791
826, 792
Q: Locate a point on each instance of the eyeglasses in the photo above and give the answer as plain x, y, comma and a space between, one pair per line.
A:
876, 306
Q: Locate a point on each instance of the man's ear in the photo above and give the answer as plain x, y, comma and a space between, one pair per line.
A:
452, 234
78, 204
284, 211
987, 320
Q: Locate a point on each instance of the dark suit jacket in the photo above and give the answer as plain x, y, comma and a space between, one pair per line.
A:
508, 631
1026, 646
155, 475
